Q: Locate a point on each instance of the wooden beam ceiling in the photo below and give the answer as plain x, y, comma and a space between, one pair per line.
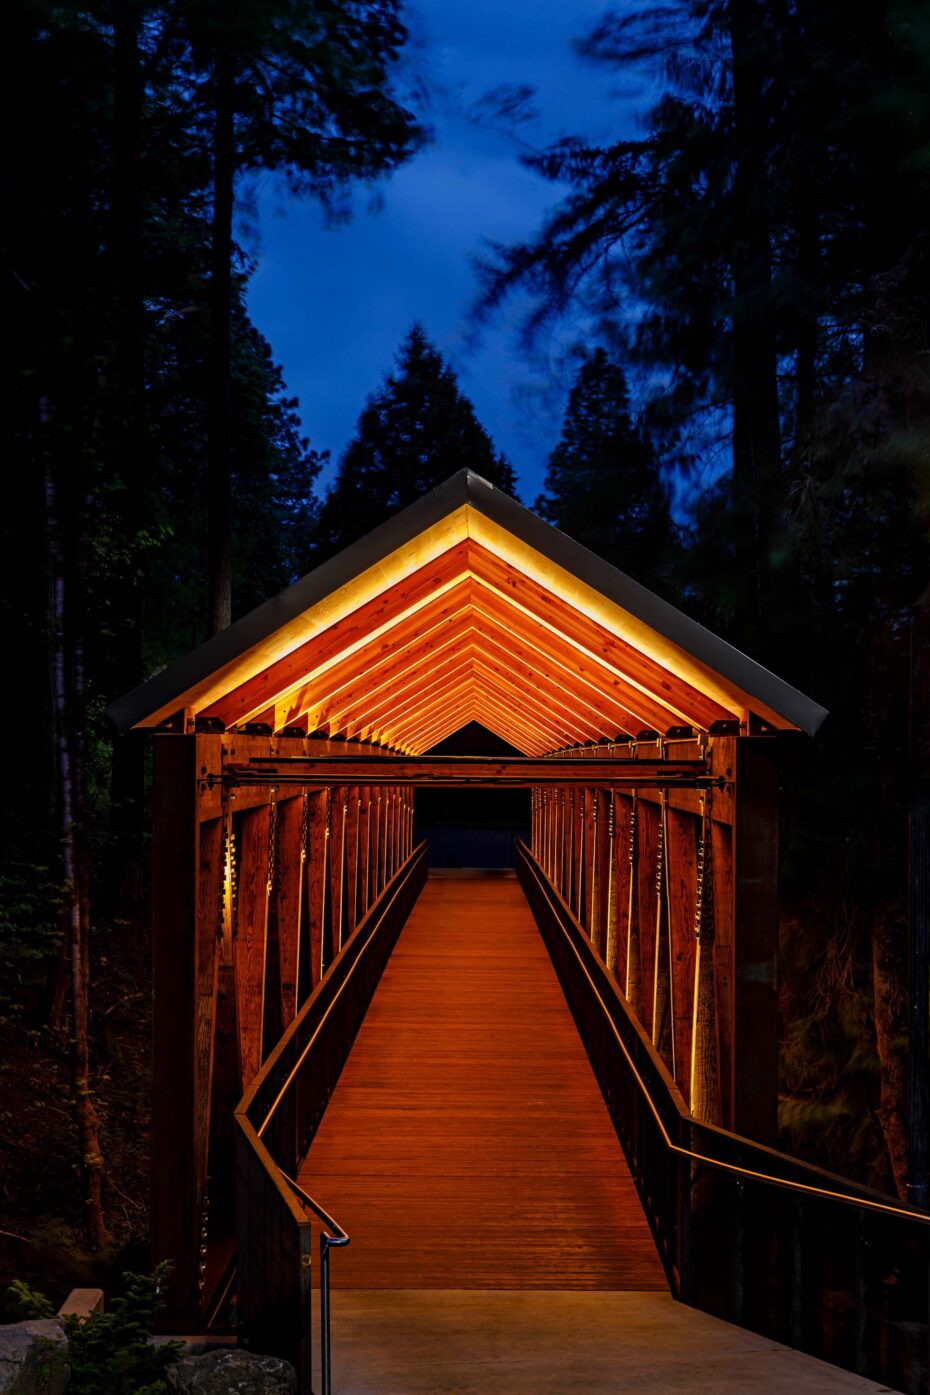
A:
466, 606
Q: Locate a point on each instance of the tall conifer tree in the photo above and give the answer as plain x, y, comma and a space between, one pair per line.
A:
413, 434
603, 485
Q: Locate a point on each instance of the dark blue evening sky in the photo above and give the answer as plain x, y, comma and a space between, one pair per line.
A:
335, 302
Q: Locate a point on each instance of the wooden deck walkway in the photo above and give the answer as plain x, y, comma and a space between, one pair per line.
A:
467, 1144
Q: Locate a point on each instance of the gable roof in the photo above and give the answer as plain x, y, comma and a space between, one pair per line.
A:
468, 607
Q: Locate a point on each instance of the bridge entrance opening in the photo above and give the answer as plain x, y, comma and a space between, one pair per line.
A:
467, 828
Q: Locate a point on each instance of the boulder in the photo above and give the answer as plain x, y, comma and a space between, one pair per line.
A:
232, 1373
33, 1358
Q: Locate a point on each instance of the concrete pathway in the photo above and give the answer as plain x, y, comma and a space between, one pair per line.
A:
487, 1342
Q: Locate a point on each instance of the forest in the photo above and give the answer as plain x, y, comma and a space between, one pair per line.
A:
747, 432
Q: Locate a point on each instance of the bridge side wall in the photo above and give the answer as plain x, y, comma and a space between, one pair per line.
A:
254, 892
678, 892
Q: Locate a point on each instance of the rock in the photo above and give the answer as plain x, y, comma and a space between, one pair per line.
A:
33, 1358
232, 1373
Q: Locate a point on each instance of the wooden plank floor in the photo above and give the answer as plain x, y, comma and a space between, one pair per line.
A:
467, 1144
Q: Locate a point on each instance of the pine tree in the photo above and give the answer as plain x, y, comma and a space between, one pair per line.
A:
413, 434
603, 485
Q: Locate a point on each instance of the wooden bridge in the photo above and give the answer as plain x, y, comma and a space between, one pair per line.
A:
341, 1045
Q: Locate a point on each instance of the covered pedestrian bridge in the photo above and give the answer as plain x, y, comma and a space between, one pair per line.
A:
562, 1080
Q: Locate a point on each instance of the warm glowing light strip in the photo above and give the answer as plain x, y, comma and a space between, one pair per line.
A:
349, 685
521, 706
403, 724
469, 647
641, 710
530, 731
387, 697
409, 732
417, 699
473, 708
637, 666
596, 659
449, 719
572, 679
365, 669
573, 706
564, 733
460, 618
489, 720
418, 552
406, 728
613, 617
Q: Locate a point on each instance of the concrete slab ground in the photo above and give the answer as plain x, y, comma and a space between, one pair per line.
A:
496, 1342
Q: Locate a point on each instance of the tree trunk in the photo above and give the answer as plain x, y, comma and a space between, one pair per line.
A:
756, 432
219, 386
129, 443
918, 1024
890, 1018
68, 693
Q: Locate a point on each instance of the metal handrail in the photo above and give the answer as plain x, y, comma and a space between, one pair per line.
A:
256, 1134
911, 1213
298, 1064
327, 1242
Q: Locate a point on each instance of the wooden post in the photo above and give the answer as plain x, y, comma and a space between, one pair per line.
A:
374, 855
578, 867
364, 837
352, 851
755, 889
647, 847
338, 800
625, 873
317, 881
391, 841
288, 892
183, 924
606, 831
384, 826
722, 856
704, 1083
588, 911
545, 795
250, 940
612, 887
663, 1008
682, 833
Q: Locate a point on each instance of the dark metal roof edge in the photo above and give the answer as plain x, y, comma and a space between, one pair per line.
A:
752, 677
174, 680
467, 487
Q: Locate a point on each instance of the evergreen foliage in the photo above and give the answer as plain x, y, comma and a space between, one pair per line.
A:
111, 1352
603, 485
419, 429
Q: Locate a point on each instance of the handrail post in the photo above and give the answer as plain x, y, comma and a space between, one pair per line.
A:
325, 1347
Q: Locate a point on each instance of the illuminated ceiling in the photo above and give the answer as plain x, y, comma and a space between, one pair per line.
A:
467, 607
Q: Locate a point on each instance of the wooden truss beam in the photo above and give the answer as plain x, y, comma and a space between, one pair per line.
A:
515, 771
